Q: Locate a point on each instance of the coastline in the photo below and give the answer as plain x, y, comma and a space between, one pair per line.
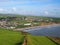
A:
33, 27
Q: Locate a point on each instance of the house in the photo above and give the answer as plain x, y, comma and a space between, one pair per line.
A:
28, 24
2, 22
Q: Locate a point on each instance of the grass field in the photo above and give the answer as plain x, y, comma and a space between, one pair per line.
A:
39, 40
9, 37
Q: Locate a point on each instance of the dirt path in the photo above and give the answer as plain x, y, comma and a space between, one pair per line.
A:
25, 41
25, 38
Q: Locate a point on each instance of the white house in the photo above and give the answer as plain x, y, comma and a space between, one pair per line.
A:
28, 24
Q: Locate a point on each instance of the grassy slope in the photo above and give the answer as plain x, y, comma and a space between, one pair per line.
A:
9, 37
39, 40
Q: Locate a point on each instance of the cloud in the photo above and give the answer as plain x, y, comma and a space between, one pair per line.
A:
1, 9
14, 9
46, 12
36, 7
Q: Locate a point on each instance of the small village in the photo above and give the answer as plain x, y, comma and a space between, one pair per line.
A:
24, 21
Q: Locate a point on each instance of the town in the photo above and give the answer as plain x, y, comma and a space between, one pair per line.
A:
12, 22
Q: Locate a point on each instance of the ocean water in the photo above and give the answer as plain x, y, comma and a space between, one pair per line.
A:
51, 30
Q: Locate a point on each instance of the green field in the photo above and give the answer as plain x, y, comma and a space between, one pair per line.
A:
9, 37
39, 40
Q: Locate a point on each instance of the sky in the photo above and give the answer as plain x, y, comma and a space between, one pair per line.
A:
31, 7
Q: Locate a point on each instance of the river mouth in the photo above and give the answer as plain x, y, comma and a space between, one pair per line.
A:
53, 30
